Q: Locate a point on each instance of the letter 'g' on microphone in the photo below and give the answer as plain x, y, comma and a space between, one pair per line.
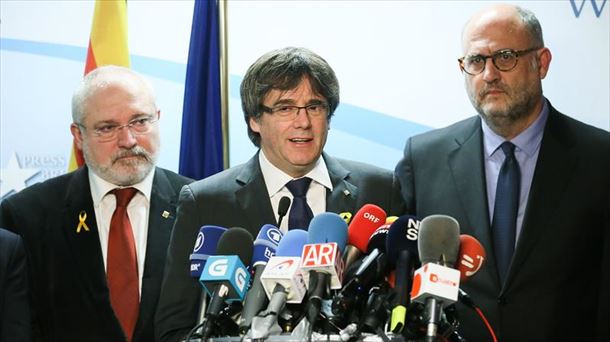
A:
205, 246
471, 257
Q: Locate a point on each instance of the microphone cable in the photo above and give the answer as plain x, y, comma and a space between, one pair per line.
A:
465, 299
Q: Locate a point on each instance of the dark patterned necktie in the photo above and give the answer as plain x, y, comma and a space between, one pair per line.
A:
300, 213
122, 270
506, 206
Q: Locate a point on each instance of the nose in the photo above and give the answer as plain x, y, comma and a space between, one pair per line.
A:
302, 120
126, 138
490, 73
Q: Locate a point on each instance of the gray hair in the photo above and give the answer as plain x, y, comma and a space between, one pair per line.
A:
284, 69
531, 25
100, 77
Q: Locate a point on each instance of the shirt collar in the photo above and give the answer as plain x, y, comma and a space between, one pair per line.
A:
527, 141
276, 179
100, 187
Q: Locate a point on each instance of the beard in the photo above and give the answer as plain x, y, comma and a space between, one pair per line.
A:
515, 103
119, 171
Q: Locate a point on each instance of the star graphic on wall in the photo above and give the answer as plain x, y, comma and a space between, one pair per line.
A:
13, 177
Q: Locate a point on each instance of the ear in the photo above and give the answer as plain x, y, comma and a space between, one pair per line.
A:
544, 61
254, 125
78, 135
158, 114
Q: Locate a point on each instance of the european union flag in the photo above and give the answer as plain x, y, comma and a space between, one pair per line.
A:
201, 139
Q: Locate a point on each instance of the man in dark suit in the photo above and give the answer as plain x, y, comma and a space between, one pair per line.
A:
546, 275
288, 97
15, 323
84, 286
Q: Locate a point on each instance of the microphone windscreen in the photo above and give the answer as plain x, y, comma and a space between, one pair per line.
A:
470, 258
292, 243
439, 240
265, 244
328, 227
363, 224
205, 245
402, 235
236, 241
377, 240
283, 206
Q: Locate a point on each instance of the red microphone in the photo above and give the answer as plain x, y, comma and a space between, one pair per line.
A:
362, 226
471, 257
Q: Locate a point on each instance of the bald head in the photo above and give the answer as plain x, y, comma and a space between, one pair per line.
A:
104, 78
513, 20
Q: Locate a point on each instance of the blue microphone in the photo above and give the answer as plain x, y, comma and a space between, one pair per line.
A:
205, 245
264, 248
322, 262
283, 283
225, 277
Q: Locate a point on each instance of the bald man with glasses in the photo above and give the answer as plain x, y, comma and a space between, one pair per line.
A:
96, 238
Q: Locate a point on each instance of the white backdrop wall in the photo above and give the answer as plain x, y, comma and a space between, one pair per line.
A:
395, 60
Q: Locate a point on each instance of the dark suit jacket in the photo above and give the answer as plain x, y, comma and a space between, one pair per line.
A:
14, 305
238, 198
557, 286
69, 290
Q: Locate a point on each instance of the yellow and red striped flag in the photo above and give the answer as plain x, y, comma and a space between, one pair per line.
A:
107, 45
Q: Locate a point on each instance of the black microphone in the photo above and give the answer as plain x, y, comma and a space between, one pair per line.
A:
401, 246
436, 283
225, 277
282, 209
265, 246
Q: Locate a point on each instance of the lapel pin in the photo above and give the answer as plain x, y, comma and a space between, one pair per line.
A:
82, 216
346, 216
346, 192
165, 214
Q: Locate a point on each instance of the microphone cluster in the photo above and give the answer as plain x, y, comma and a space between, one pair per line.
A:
379, 276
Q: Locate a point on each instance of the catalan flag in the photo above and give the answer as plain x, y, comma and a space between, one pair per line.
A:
107, 45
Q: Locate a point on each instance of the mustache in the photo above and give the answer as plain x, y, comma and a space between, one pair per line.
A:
136, 151
493, 87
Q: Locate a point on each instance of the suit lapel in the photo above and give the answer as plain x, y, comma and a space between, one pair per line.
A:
252, 197
344, 194
555, 166
468, 172
83, 244
160, 221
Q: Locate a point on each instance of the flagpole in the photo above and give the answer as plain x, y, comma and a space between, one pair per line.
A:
224, 79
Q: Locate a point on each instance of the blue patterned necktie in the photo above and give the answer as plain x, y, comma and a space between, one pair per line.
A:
504, 223
300, 213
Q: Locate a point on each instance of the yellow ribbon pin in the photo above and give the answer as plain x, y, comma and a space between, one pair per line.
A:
346, 216
82, 216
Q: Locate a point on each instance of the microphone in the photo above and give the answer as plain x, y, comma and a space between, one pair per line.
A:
282, 281
401, 246
265, 246
205, 245
282, 209
435, 283
471, 257
224, 277
321, 261
362, 226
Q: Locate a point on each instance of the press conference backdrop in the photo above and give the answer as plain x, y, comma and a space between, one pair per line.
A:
396, 62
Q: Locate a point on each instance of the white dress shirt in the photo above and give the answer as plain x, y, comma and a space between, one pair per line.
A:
276, 179
138, 209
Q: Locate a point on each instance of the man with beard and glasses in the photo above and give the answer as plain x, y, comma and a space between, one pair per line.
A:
96, 238
530, 183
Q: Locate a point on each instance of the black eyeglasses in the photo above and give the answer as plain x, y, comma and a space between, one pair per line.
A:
503, 60
289, 112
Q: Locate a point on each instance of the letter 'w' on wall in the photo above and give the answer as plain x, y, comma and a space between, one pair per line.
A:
203, 137
107, 45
